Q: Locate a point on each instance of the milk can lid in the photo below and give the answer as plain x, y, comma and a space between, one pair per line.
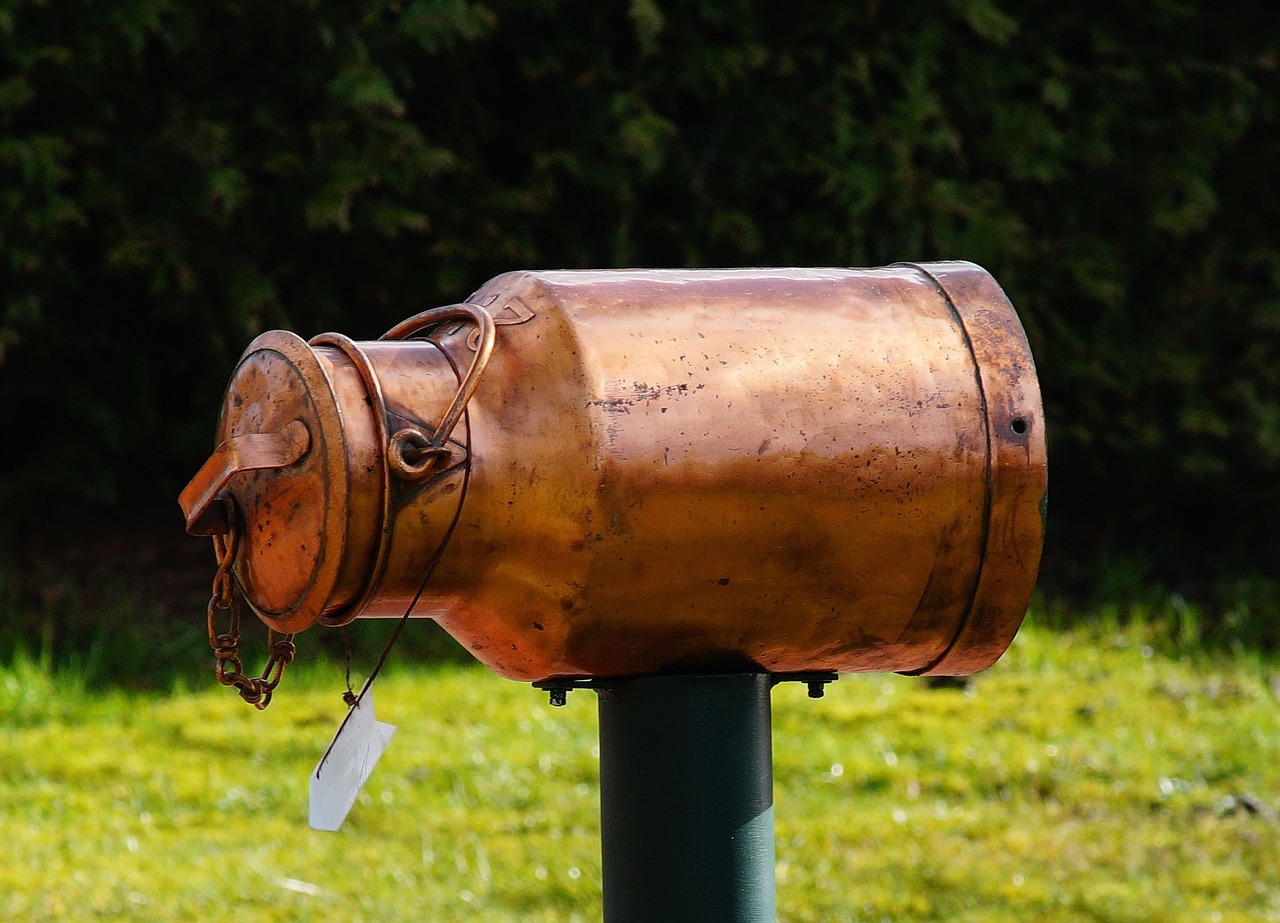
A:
281, 434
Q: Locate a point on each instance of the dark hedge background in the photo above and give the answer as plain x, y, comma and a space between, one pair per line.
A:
177, 177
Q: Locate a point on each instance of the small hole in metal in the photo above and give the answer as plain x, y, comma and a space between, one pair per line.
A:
1019, 426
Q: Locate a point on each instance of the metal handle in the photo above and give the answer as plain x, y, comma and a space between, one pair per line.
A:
247, 452
434, 448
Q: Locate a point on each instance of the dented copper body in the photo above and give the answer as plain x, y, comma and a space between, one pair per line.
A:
614, 473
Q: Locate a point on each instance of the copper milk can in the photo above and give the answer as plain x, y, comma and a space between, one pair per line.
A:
615, 473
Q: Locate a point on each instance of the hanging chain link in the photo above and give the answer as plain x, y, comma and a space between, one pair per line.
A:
256, 690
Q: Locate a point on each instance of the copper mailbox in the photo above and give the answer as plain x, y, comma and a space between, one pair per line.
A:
615, 473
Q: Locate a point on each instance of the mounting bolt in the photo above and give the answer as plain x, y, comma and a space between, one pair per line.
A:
817, 688
558, 696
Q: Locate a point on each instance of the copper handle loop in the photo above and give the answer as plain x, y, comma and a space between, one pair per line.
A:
411, 455
429, 449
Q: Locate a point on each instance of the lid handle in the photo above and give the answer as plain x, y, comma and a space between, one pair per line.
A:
247, 452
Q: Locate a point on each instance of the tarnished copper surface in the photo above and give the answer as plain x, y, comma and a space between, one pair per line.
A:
778, 469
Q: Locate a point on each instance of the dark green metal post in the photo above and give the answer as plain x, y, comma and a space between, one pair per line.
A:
686, 800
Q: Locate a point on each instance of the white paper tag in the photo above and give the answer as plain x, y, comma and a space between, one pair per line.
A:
346, 766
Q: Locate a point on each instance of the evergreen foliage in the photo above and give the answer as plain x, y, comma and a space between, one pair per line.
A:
176, 178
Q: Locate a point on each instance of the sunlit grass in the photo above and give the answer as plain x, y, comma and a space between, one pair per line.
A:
1095, 774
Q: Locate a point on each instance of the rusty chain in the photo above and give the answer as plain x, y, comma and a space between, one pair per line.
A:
256, 690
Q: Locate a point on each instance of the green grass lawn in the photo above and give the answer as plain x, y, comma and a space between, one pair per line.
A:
1091, 775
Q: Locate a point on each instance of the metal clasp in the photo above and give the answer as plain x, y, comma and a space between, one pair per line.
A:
411, 453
